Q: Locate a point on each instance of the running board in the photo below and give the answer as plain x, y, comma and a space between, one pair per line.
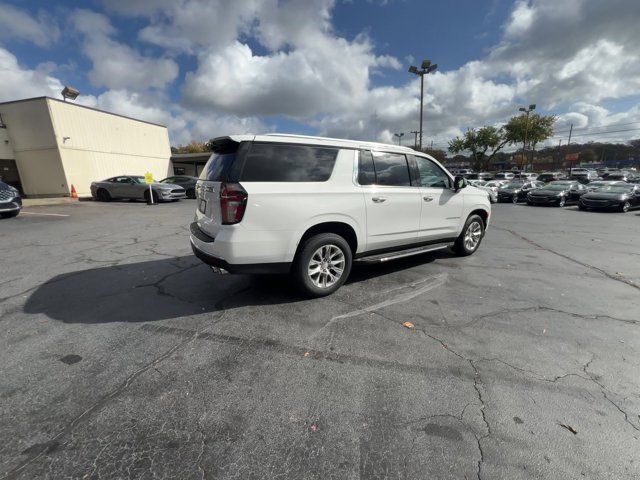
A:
385, 257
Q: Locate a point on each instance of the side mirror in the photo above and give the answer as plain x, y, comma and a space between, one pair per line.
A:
459, 183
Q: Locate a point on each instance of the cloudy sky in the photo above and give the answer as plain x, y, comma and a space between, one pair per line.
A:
332, 67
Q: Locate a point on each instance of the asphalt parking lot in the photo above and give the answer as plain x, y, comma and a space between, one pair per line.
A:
122, 356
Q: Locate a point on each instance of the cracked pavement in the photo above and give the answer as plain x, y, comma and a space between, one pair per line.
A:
122, 356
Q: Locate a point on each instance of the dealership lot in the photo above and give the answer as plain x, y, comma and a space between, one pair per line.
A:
122, 355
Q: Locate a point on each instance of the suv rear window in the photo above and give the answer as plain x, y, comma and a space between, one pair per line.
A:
270, 162
222, 165
391, 169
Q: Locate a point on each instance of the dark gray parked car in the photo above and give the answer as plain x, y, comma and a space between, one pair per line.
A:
134, 187
184, 181
10, 201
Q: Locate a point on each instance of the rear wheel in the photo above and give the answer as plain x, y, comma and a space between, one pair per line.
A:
471, 236
581, 207
515, 198
103, 195
322, 265
624, 208
562, 202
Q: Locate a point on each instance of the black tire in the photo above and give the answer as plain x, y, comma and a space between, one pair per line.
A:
191, 193
530, 203
310, 247
515, 199
103, 195
624, 207
562, 202
460, 247
581, 207
146, 197
10, 214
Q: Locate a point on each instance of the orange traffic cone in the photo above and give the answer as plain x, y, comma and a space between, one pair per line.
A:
74, 194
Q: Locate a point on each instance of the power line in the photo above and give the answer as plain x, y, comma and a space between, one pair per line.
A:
601, 126
598, 133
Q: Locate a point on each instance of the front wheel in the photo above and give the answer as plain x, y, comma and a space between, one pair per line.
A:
191, 193
515, 198
103, 195
562, 202
624, 208
471, 236
581, 207
322, 265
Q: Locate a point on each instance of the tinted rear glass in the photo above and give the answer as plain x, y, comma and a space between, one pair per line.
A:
391, 169
269, 162
222, 165
366, 170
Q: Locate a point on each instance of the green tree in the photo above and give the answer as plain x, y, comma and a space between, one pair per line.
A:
483, 143
192, 147
534, 129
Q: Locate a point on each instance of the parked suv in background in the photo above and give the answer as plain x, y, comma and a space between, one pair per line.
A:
10, 201
311, 206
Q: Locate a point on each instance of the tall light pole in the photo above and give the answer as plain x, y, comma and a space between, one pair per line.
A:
425, 69
531, 108
399, 135
415, 138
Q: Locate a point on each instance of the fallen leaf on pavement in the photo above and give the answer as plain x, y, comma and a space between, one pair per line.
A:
306, 354
314, 427
569, 427
408, 325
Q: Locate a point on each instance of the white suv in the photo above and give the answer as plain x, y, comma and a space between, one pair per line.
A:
312, 206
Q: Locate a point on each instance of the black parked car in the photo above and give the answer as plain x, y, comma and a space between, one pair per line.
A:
10, 201
517, 191
186, 182
557, 193
551, 177
622, 177
485, 176
612, 197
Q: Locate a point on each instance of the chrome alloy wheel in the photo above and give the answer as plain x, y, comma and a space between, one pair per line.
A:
472, 236
326, 266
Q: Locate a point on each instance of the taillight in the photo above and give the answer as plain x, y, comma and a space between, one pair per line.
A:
233, 201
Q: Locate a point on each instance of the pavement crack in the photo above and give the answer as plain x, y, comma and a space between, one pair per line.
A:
617, 278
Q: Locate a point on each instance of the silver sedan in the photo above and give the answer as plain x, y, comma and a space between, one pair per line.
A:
134, 187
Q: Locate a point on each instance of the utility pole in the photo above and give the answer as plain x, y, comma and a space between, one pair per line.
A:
559, 154
415, 139
431, 144
569, 142
425, 69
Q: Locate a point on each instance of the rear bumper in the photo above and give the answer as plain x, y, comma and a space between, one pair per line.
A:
201, 241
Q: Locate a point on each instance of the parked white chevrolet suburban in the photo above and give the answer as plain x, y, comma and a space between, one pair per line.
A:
311, 206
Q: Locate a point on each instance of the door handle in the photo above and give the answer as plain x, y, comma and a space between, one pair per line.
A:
379, 199
427, 199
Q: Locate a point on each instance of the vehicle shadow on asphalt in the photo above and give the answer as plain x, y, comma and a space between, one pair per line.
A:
173, 288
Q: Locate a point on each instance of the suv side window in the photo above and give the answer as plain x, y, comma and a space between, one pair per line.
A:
431, 175
270, 162
366, 169
391, 169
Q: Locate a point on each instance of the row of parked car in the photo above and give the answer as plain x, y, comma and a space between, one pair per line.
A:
134, 187
582, 175
598, 194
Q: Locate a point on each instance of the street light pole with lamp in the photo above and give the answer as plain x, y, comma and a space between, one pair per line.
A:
425, 69
399, 135
531, 108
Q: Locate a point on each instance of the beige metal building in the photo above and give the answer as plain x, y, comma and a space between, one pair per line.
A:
47, 145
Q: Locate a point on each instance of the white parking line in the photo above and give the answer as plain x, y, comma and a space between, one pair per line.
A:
47, 214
